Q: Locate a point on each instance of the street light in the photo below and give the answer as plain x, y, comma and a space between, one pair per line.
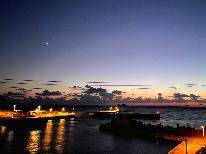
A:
50, 110
203, 130
186, 144
14, 107
63, 109
39, 107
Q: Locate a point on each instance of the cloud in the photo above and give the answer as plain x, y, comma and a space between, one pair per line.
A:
28, 80
76, 95
8, 79
97, 82
22, 83
190, 84
194, 97
37, 88
14, 94
203, 85
121, 85
54, 81
77, 88
48, 93
96, 90
144, 88
173, 87
179, 95
14, 87
87, 86
49, 84
117, 92
21, 89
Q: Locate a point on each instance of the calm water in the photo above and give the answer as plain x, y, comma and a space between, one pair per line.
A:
83, 136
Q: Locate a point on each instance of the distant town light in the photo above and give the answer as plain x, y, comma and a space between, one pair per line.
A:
50, 110
157, 112
63, 109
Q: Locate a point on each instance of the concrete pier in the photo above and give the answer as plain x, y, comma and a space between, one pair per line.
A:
193, 144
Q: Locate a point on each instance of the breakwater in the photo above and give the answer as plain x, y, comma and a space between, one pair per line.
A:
190, 139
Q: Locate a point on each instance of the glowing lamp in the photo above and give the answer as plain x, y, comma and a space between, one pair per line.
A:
203, 130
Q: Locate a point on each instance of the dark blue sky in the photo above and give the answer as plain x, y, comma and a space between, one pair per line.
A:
119, 41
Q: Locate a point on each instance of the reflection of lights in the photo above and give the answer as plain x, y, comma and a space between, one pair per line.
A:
47, 136
60, 136
34, 141
10, 136
62, 121
2, 130
72, 123
157, 122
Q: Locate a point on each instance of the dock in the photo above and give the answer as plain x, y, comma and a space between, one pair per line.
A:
117, 115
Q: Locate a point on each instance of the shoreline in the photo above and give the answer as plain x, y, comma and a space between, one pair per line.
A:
186, 105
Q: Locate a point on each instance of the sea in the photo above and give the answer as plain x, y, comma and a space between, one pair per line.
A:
82, 136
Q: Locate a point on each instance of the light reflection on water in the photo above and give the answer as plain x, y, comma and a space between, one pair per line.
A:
2, 130
10, 136
48, 136
33, 145
75, 136
59, 145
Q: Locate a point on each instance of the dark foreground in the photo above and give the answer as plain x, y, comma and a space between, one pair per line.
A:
76, 136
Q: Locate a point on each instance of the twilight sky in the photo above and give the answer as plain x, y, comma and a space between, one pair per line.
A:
160, 43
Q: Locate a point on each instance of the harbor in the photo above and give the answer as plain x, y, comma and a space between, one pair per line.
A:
41, 118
